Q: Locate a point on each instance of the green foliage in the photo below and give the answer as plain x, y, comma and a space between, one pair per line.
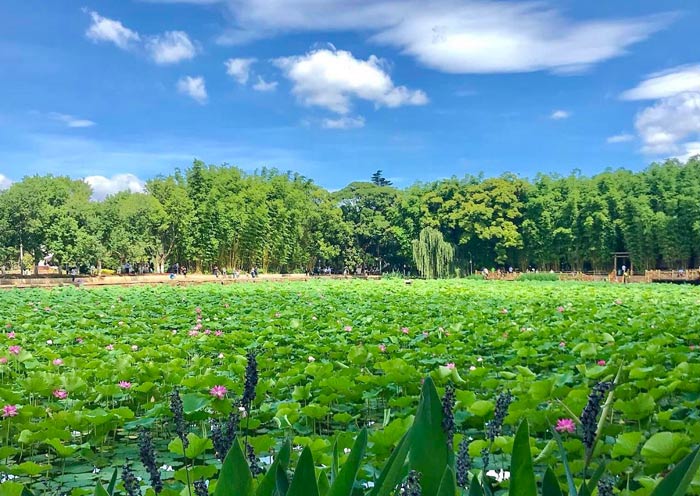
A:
537, 276
432, 256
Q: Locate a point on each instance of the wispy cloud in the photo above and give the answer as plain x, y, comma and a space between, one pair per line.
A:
110, 30
239, 69
558, 115
5, 182
264, 86
454, 36
193, 87
344, 122
682, 79
171, 47
70, 120
620, 138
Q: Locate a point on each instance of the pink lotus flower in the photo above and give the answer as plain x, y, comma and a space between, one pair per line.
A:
125, 384
560, 309
57, 362
47, 309
565, 425
504, 310
11, 335
207, 331
692, 347
450, 365
14, 350
3, 360
562, 344
109, 347
618, 302
61, 394
226, 305
347, 328
198, 326
382, 348
79, 340
218, 391
134, 347
278, 315
601, 363
404, 330
218, 333
9, 411
198, 310
193, 332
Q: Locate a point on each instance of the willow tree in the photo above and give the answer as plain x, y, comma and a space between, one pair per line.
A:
432, 254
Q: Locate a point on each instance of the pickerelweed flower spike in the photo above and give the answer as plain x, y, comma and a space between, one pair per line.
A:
131, 483
463, 463
485, 457
590, 414
178, 411
251, 381
605, 487
499, 415
200, 488
448, 415
411, 487
255, 467
148, 457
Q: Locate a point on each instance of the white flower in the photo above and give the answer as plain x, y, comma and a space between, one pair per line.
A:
244, 414
95, 470
49, 341
500, 476
221, 355
368, 484
312, 359
472, 368
479, 359
166, 468
346, 450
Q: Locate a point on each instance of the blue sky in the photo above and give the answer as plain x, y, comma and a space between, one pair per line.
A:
120, 91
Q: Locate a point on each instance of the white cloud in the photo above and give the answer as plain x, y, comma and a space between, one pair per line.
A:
104, 29
682, 79
263, 85
666, 125
456, 36
104, 186
620, 138
5, 182
70, 120
344, 122
330, 79
193, 87
171, 47
239, 69
558, 115
690, 150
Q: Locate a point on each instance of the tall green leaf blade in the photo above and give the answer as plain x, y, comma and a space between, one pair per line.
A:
550, 484
448, 486
112, 483
677, 481
562, 454
428, 454
235, 477
393, 471
343, 483
100, 490
335, 462
268, 484
593, 481
282, 482
475, 488
323, 484
522, 473
304, 480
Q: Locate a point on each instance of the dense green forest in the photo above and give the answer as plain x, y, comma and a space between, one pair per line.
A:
282, 222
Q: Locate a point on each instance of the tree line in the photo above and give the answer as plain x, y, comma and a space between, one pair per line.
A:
221, 216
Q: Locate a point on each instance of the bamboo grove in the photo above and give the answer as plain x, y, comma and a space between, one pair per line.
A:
221, 216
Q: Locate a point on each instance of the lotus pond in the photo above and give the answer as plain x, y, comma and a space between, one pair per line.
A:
82, 370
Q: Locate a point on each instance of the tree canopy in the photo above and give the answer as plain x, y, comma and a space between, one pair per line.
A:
278, 221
